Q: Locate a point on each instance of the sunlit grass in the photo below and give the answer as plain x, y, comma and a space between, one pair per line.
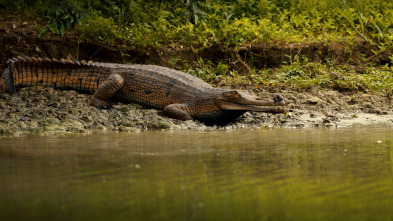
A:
302, 75
239, 21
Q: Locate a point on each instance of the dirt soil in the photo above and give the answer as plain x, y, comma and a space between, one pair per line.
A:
48, 111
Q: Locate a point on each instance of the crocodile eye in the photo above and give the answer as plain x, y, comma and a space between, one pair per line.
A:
235, 93
227, 94
230, 94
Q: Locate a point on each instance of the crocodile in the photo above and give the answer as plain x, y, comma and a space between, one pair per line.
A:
179, 95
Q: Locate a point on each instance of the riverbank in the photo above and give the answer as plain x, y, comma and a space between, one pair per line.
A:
46, 111
330, 83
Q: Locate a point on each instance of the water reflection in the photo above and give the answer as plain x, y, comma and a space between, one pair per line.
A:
308, 174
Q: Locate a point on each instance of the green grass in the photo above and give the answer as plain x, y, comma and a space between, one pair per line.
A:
236, 22
315, 75
229, 25
203, 22
301, 75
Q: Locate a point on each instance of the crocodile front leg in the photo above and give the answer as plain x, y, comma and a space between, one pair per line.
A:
106, 90
177, 111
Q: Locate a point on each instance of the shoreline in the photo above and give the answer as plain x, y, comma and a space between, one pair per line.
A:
46, 111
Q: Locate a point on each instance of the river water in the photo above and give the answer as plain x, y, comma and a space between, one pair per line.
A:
280, 174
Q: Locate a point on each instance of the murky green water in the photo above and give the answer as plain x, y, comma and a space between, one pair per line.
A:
308, 174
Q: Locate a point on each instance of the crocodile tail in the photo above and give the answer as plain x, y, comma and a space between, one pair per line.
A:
60, 74
6, 81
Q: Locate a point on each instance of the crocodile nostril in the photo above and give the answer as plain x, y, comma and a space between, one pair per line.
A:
278, 97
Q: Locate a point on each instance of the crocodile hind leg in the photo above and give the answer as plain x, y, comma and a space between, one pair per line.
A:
177, 111
106, 90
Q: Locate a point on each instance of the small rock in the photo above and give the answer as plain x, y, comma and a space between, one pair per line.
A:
314, 100
158, 125
128, 129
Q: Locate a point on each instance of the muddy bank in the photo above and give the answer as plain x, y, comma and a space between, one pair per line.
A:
46, 111
49, 111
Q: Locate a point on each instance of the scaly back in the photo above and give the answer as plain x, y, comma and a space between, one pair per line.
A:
81, 76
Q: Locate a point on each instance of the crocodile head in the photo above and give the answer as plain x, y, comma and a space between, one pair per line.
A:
236, 100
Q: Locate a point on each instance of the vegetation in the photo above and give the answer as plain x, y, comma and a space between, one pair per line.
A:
302, 74
152, 23
230, 25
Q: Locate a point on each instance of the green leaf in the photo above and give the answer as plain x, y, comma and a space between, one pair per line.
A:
44, 31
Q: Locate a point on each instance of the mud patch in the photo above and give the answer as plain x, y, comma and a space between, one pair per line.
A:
334, 109
46, 111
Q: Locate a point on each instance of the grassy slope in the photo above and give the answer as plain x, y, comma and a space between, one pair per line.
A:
363, 29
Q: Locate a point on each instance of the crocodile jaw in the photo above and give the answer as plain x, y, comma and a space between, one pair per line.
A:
236, 100
260, 106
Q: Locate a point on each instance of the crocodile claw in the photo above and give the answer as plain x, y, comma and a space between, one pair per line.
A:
104, 106
100, 104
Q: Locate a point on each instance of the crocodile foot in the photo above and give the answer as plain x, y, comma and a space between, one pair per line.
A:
100, 104
177, 111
